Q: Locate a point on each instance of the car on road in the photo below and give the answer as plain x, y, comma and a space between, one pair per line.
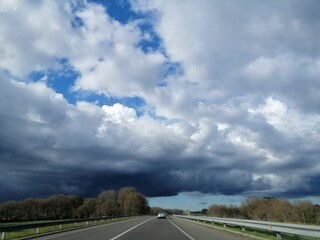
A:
162, 215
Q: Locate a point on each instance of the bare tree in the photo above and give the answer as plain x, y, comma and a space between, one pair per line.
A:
107, 204
307, 211
88, 208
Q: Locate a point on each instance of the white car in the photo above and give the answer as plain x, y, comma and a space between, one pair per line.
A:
162, 215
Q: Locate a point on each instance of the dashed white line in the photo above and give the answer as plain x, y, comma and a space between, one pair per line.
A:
187, 235
121, 234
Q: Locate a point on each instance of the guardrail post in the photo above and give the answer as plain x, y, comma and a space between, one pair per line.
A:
3, 235
278, 236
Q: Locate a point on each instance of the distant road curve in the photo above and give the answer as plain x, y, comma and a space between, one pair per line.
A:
147, 227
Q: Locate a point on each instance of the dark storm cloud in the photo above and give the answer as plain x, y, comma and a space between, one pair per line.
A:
40, 160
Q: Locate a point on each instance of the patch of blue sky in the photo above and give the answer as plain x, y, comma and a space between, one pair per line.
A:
60, 80
313, 199
153, 114
170, 69
122, 12
119, 10
77, 22
36, 76
151, 41
173, 68
137, 103
193, 202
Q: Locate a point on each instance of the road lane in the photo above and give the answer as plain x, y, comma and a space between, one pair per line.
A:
156, 229
201, 232
176, 229
130, 229
147, 228
101, 232
186, 234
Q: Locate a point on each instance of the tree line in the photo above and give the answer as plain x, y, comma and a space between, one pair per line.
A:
124, 202
270, 209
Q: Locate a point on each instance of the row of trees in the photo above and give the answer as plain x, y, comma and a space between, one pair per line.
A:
270, 209
125, 202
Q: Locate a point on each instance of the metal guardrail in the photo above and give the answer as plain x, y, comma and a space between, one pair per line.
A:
277, 228
18, 227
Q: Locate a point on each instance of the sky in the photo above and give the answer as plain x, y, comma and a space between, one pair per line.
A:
193, 103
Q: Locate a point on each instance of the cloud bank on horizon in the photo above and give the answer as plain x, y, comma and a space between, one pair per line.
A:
218, 97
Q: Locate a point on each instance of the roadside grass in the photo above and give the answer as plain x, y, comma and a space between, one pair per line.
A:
256, 233
295, 237
56, 228
269, 234
248, 232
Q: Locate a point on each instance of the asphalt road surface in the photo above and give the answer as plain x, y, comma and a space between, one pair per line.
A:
147, 227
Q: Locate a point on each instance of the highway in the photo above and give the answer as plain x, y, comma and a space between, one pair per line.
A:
147, 227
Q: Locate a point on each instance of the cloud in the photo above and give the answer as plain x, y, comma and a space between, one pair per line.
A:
116, 65
239, 38
34, 35
238, 113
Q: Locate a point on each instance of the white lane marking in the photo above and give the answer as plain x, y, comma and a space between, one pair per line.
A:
131, 229
75, 231
191, 238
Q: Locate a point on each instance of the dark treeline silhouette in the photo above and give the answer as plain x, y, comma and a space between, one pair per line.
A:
270, 209
125, 202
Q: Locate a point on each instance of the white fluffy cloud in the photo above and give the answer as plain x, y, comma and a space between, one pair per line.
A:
287, 120
225, 49
115, 64
33, 35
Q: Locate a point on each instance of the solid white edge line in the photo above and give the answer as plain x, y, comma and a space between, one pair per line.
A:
121, 234
191, 238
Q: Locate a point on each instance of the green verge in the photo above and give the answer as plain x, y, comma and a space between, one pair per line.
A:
56, 228
255, 233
